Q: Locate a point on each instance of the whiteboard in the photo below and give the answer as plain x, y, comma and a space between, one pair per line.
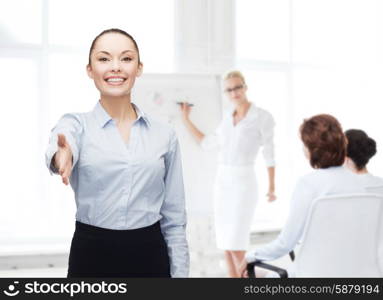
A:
157, 95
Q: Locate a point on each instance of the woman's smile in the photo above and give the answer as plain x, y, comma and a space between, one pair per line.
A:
115, 80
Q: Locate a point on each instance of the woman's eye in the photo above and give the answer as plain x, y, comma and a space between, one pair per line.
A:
127, 59
102, 59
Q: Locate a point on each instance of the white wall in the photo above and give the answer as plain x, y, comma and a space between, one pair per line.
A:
204, 39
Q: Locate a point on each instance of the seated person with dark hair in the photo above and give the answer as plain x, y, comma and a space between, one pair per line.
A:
360, 149
325, 148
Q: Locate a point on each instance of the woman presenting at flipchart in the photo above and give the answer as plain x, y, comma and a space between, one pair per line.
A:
239, 136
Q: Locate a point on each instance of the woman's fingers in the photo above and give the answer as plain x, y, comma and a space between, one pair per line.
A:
65, 180
64, 159
63, 155
65, 174
185, 108
61, 140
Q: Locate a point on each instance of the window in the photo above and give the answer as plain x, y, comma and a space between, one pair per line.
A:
305, 57
263, 55
337, 64
262, 30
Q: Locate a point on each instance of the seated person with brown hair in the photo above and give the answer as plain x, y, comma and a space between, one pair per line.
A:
325, 148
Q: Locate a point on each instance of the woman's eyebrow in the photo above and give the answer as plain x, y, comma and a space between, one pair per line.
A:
123, 52
105, 52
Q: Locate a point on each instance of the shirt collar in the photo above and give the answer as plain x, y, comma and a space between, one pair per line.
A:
250, 113
141, 115
104, 118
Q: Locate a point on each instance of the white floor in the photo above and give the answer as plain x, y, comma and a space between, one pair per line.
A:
205, 259
203, 264
34, 272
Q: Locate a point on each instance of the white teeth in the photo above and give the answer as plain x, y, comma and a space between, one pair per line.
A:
115, 79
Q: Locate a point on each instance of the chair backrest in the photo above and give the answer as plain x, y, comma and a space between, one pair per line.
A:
343, 238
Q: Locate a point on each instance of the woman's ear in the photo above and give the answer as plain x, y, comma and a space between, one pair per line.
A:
140, 69
306, 152
89, 71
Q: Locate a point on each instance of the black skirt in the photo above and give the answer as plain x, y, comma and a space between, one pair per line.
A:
100, 252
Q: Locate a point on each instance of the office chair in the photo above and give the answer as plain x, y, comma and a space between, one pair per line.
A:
343, 237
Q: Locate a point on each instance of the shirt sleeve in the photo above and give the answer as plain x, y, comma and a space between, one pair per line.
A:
173, 222
292, 231
211, 141
267, 133
70, 126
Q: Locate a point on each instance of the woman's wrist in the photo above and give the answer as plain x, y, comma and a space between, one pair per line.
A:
53, 161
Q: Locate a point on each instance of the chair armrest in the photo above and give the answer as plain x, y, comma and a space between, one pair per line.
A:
251, 272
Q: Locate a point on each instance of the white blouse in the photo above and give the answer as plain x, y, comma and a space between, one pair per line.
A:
370, 180
373, 184
320, 182
239, 144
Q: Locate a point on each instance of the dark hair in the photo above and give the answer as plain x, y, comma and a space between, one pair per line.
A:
323, 137
360, 147
113, 30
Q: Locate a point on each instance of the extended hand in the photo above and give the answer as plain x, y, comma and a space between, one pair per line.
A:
63, 158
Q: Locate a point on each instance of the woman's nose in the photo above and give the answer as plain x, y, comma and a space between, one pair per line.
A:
116, 67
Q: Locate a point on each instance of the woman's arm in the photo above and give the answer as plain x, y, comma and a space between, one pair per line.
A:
196, 133
63, 148
173, 222
207, 142
292, 231
267, 133
271, 192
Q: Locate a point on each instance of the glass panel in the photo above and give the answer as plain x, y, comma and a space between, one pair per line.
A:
70, 88
21, 21
345, 51
332, 32
353, 95
21, 160
262, 29
151, 23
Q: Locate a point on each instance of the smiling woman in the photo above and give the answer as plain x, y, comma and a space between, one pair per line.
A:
125, 170
114, 63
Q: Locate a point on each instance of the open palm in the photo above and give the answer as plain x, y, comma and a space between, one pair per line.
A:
63, 158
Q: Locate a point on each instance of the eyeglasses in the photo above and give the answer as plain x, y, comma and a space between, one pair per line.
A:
234, 89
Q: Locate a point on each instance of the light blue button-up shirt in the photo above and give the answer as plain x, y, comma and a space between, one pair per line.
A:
126, 186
